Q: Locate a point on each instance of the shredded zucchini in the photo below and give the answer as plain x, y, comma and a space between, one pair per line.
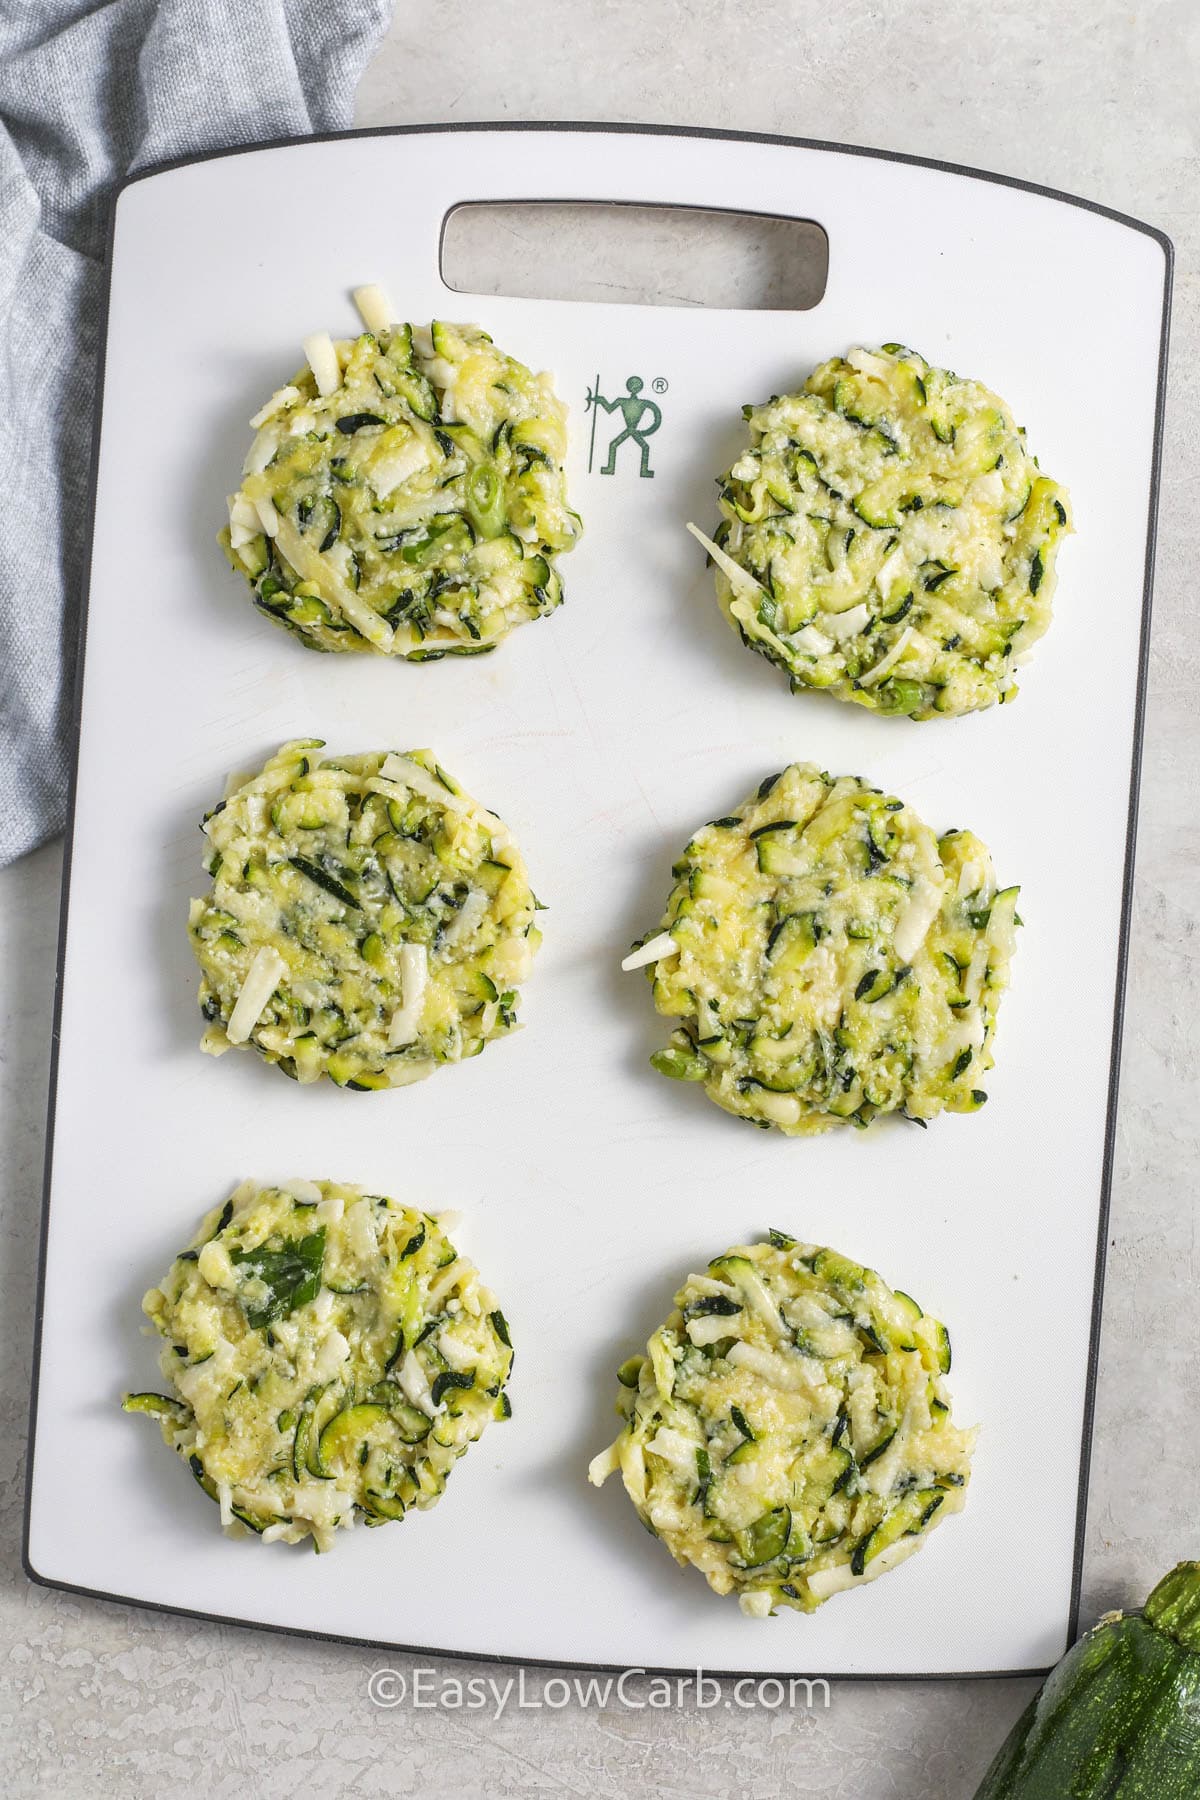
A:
896, 539
330, 1356
830, 959
405, 494
788, 1431
367, 919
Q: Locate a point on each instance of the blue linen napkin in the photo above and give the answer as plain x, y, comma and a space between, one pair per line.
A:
89, 93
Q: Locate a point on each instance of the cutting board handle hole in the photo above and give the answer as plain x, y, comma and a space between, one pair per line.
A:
634, 254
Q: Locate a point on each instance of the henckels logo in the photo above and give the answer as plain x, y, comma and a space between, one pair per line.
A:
640, 418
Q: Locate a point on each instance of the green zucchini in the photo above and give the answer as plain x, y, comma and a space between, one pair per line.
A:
379, 1507
1119, 1718
347, 1432
304, 1449
172, 1415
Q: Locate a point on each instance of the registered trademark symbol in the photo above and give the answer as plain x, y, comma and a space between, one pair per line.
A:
660, 384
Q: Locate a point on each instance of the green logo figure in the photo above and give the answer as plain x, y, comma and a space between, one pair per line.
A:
636, 410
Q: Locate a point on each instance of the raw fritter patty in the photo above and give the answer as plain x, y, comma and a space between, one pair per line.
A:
367, 919
329, 1356
830, 959
788, 1431
405, 494
888, 537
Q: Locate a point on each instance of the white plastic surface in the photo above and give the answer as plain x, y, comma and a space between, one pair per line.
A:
603, 735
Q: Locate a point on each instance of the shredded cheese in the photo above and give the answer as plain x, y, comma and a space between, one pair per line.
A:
813, 642
267, 516
406, 773
848, 624
739, 578
322, 358
662, 945
887, 663
912, 927
375, 308
262, 979
332, 589
284, 396
414, 973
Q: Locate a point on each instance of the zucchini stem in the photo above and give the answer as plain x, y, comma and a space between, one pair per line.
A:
1174, 1606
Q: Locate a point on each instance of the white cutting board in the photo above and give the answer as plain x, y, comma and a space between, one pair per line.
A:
604, 735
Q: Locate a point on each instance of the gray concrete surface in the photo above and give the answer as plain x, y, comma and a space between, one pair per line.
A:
1096, 97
